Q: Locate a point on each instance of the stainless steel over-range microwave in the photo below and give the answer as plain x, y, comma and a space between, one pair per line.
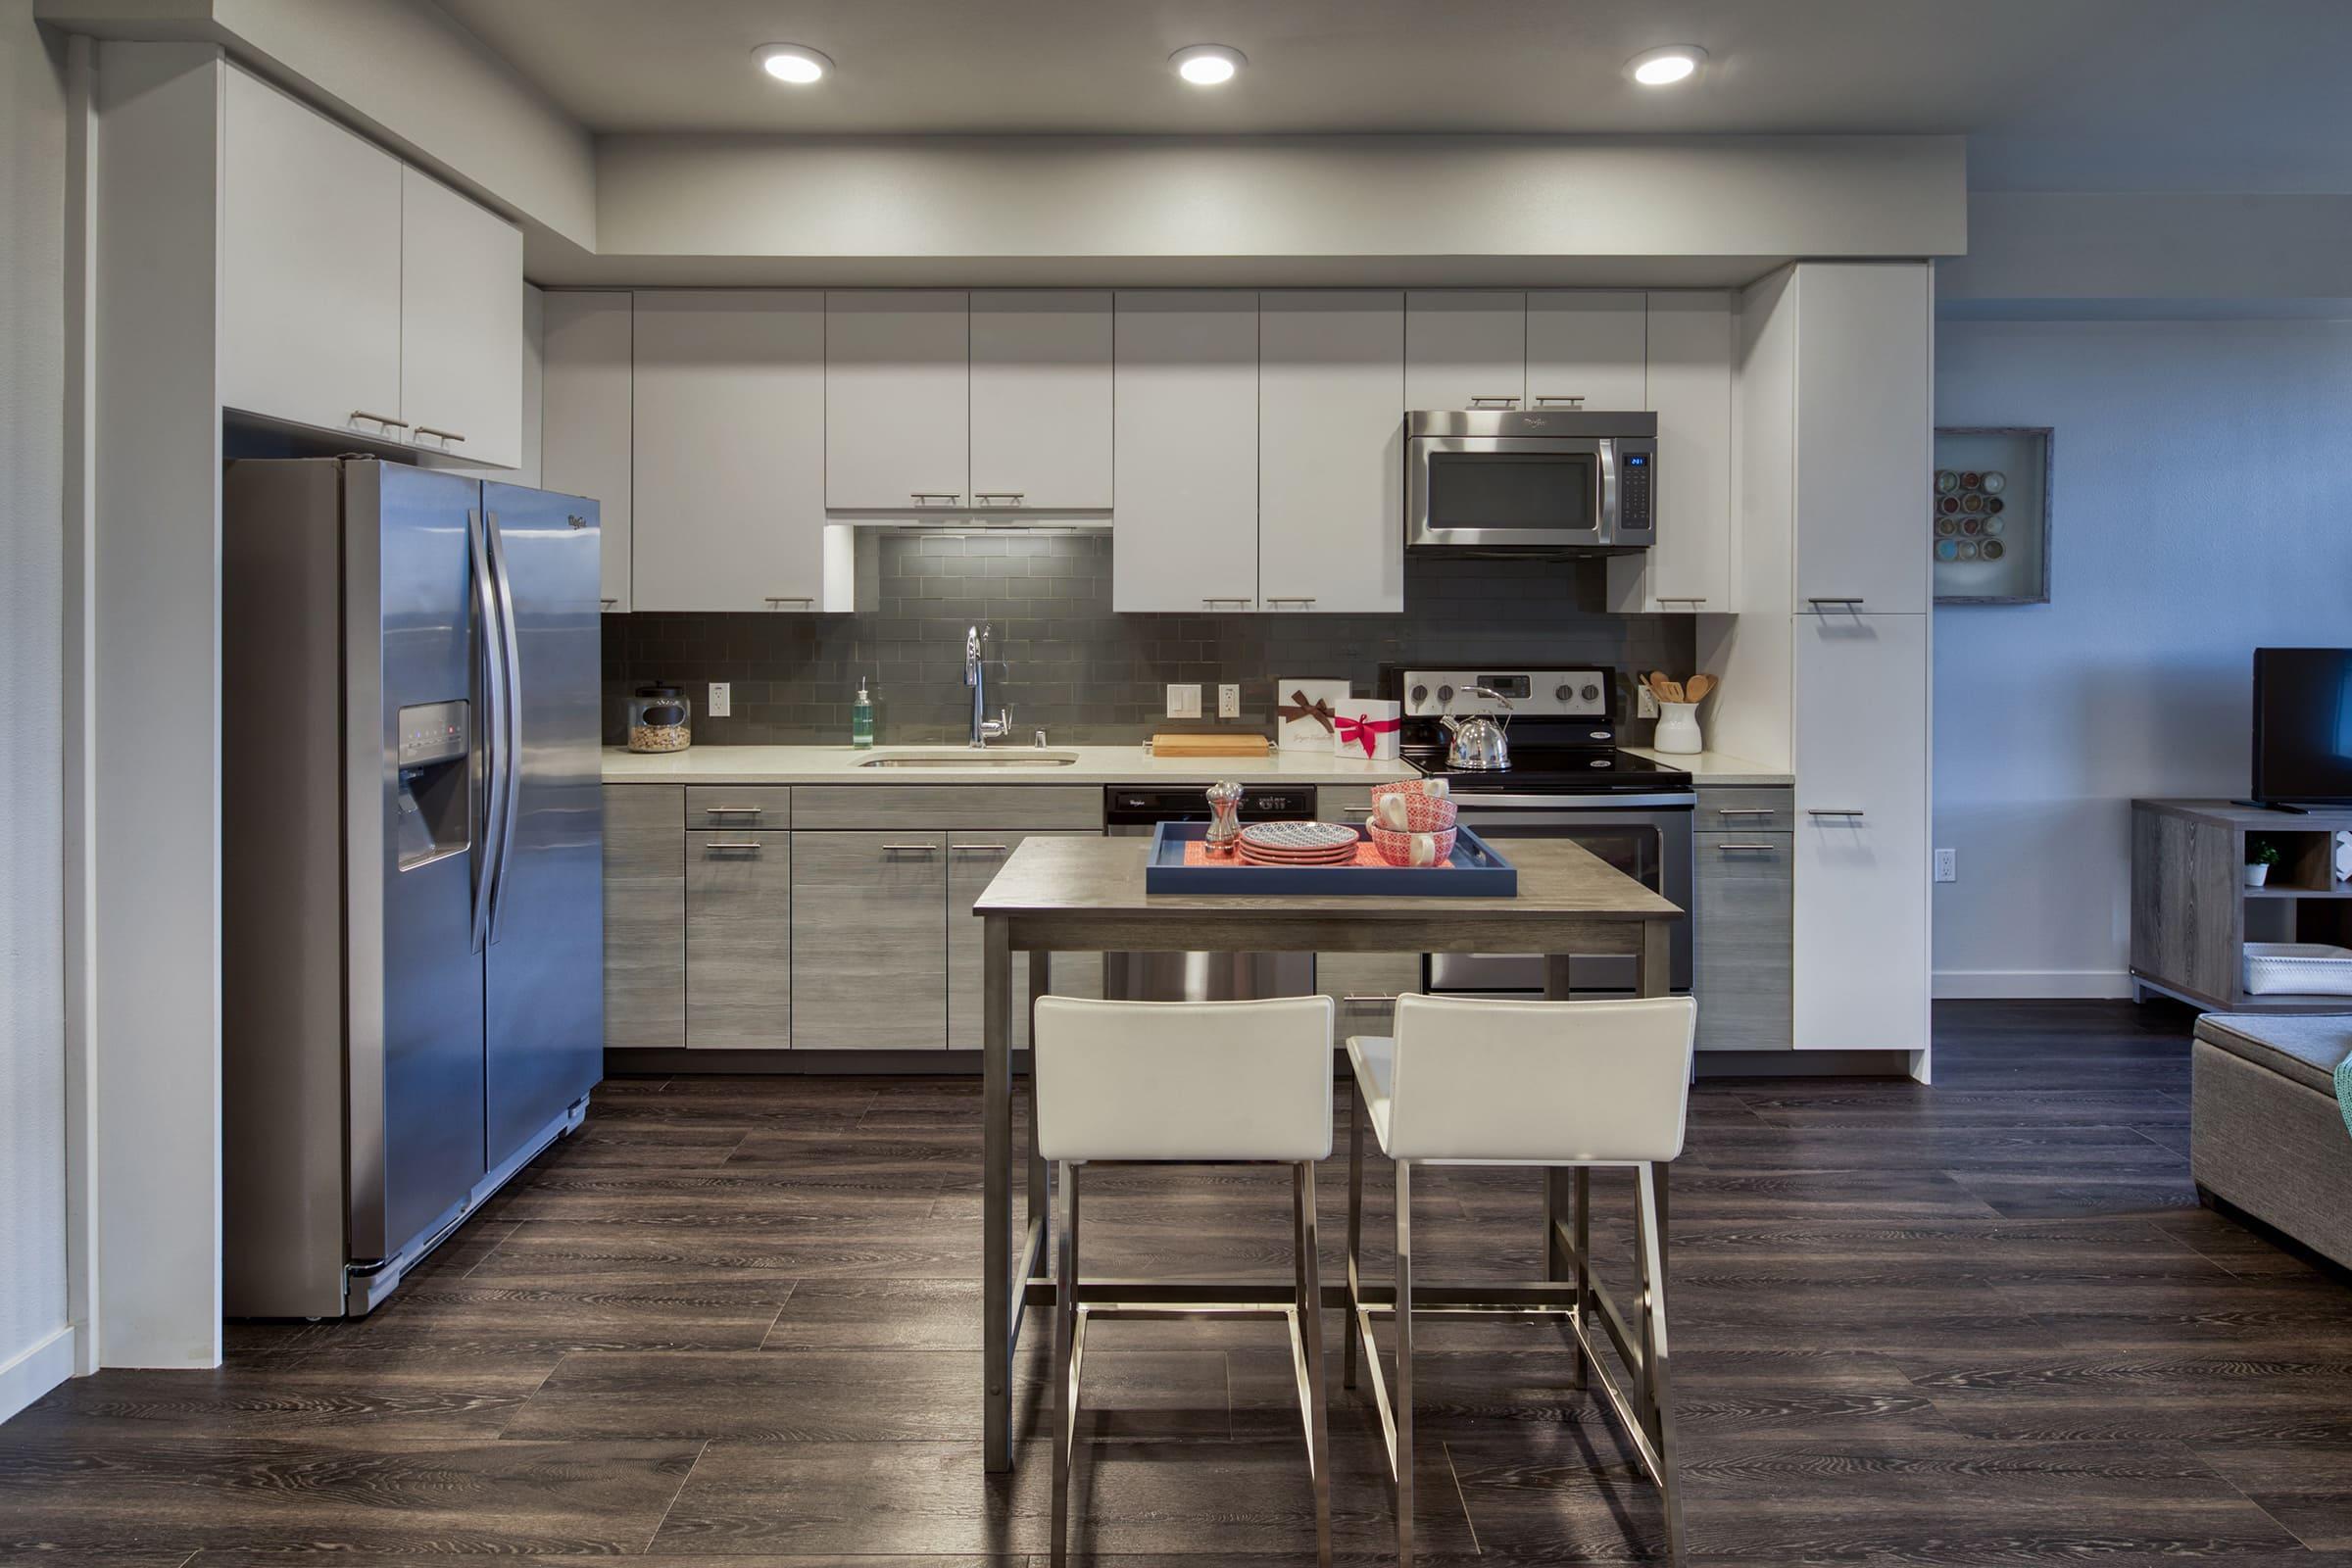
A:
1551, 482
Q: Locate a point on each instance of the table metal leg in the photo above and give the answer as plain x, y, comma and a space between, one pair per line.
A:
1657, 959
1040, 1204
1000, 1292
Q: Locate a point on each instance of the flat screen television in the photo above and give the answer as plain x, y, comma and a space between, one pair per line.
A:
2303, 726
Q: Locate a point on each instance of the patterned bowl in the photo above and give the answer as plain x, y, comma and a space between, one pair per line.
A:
1413, 813
1436, 787
1397, 848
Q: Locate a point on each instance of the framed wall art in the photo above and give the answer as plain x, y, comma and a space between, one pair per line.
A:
1989, 514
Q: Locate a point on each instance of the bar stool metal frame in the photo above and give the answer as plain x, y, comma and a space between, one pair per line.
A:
1570, 1292
1077, 1304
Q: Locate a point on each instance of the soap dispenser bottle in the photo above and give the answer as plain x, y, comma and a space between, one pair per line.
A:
862, 718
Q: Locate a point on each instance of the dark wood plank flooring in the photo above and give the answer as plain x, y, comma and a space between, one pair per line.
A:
732, 1324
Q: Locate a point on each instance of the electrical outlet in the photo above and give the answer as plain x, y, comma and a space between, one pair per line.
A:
1184, 702
1948, 866
722, 699
1229, 701
1646, 703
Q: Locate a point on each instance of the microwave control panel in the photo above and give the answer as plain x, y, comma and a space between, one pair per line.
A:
1633, 481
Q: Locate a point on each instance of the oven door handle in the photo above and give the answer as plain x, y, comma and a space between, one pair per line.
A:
1553, 810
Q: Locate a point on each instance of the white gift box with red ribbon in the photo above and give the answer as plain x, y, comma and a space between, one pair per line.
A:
1368, 727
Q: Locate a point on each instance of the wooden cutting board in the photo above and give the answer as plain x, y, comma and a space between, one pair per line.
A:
1233, 744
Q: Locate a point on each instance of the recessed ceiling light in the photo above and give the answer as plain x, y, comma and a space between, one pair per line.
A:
1662, 68
1207, 65
793, 63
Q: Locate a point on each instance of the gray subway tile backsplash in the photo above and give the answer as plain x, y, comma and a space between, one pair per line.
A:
1066, 665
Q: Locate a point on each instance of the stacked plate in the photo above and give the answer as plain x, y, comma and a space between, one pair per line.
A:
1298, 844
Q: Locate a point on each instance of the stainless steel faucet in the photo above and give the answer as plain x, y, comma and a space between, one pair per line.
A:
975, 675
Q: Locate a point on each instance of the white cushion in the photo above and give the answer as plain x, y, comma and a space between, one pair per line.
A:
1183, 1081
1531, 1083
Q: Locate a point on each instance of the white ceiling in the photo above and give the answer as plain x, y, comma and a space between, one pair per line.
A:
2054, 94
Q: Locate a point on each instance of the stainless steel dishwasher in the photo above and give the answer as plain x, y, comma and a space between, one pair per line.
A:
1132, 810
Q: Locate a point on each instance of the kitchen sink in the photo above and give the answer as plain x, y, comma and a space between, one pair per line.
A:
970, 758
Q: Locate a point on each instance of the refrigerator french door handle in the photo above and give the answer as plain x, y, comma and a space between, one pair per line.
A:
493, 734
511, 750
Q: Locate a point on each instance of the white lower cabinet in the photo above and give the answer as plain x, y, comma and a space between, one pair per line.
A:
729, 420
1331, 451
585, 397
1185, 442
1860, 732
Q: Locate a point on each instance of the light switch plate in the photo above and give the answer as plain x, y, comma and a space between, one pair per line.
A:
1184, 702
1948, 866
1229, 701
722, 699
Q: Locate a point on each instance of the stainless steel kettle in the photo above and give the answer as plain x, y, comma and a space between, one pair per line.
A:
1478, 744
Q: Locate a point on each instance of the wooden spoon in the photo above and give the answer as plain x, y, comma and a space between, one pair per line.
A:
1658, 685
1696, 688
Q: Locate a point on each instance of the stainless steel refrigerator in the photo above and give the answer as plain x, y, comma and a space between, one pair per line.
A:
412, 845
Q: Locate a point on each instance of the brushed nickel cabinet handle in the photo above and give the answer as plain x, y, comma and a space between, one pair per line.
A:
1235, 599
1000, 848
1357, 810
1575, 400
1746, 810
1728, 848
445, 436
607, 600
1681, 598
1850, 604
746, 844
1508, 400
1290, 599
1012, 497
733, 811
923, 498
383, 420
789, 598
1388, 998
1826, 811
909, 849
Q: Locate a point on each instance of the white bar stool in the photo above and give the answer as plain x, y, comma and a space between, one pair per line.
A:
1186, 1083
1562, 1084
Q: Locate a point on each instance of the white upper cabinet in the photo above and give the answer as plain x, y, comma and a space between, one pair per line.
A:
1041, 399
1331, 451
585, 413
1588, 345
730, 413
460, 325
1185, 536
898, 370
1864, 415
1688, 569
310, 266
1860, 733
1465, 349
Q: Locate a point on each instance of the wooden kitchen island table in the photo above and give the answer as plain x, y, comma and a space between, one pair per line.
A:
1086, 895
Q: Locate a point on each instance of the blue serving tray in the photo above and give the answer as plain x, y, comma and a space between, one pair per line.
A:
1479, 872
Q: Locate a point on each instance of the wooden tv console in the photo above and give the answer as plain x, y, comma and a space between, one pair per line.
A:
2192, 913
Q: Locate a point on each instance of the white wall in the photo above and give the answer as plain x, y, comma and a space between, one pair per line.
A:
34, 1344
2204, 507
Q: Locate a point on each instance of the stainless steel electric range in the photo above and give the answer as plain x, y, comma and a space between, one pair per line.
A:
1567, 778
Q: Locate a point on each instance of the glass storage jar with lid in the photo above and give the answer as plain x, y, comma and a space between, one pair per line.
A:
660, 718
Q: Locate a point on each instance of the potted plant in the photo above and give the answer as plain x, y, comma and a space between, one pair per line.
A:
2260, 858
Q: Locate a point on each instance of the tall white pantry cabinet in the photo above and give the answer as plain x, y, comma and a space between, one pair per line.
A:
1826, 669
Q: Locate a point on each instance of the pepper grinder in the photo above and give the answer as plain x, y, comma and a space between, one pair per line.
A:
1224, 817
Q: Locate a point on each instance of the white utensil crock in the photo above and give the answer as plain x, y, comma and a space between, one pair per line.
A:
1678, 728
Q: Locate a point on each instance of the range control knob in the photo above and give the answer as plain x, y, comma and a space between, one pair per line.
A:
1420, 694
1563, 694
1445, 694
1591, 693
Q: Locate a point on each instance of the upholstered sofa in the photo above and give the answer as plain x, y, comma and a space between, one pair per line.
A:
2267, 1133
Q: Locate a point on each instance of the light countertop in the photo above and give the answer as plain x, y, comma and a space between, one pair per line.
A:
1093, 766
1710, 767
